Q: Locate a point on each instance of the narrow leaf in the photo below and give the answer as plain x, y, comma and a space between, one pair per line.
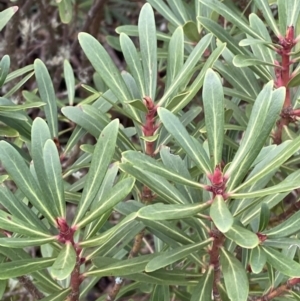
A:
104, 65
116, 194
102, 156
181, 135
185, 71
175, 56
258, 260
148, 46
213, 102
282, 263
59, 296
156, 183
19, 172
235, 277
133, 61
22, 267
4, 68
69, 80
220, 214
6, 15
12, 242
242, 237
122, 267
64, 263
231, 16
47, 95
286, 228
264, 7
13, 224
168, 212
145, 162
65, 8
54, 175
174, 255
203, 289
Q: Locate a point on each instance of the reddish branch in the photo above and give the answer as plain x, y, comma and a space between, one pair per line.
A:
280, 290
214, 253
283, 76
66, 235
147, 196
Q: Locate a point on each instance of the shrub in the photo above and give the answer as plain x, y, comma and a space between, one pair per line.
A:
178, 205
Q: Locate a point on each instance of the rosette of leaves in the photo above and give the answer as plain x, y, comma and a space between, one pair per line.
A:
203, 191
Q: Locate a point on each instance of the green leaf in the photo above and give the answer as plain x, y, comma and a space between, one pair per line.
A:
40, 134
251, 41
165, 11
59, 296
107, 184
171, 256
284, 186
124, 225
242, 61
3, 284
132, 59
220, 214
19, 172
197, 82
264, 218
54, 175
11, 76
104, 65
4, 68
233, 46
213, 102
22, 267
185, 71
64, 263
69, 80
191, 31
145, 162
242, 237
148, 48
120, 268
277, 158
294, 81
156, 183
116, 194
166, 212
282, 263
12, 242
21, 107
231, 16
203, 289
11, 223
138, 104
102, 157
195, 151
150, 138
263, 116
235, 277
65, 8
18, 85
286, 228
6, 15
258, 260
19, 209
264, 7
47, 95
292, 14
175, 56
